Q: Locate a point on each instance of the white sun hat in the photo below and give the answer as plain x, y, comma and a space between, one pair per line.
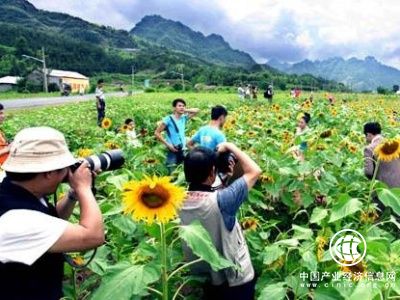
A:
38, 149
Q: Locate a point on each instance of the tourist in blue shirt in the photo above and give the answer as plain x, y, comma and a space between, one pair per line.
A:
210, 136
175, 125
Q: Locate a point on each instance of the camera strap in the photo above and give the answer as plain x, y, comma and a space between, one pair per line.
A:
176, 130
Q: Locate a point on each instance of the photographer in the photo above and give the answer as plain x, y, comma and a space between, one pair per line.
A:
34, 233
216, 210
175, 127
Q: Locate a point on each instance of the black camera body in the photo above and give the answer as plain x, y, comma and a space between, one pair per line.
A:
107, 161
224, 160
179, 147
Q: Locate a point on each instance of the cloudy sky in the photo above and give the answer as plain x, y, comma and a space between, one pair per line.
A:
289, 30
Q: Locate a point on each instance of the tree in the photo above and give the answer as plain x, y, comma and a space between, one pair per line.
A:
21, 46
395, 88
381, 90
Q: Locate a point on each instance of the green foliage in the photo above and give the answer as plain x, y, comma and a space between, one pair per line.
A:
198, 239
125, 280
290, 236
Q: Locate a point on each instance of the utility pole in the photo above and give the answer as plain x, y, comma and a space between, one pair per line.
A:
182, 78
46, 88
43, 61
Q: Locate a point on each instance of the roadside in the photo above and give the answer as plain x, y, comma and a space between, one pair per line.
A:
46, 101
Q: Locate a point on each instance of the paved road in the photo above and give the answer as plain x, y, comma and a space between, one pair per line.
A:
46, 101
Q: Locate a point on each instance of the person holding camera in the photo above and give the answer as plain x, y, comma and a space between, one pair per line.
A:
175, 127
216, 210
34, 234
210, 136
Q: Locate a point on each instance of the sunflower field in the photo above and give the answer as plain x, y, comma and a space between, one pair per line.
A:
288, 219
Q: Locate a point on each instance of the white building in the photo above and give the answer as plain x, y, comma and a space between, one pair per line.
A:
8, 82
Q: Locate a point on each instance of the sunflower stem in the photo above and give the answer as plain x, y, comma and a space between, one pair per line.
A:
372, 185
164, 267
184, 266
179, 288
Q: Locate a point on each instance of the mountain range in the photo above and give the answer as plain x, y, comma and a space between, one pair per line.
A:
159, 46
359, 74
176, 36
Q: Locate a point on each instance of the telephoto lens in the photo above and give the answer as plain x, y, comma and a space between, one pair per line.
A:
107, 161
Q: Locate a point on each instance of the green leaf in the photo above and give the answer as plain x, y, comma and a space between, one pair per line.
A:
344, 207
295, 283
318, 215
272, 253
274, 291
391, 198
309, 260
118, 181
100, 263
125, 224
327, 293
302, 233
378, 252
288, 242
286, 171
198, 239
364, 291
125, 281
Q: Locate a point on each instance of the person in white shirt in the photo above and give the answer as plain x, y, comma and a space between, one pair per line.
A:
100, 101
130, 131
33, 232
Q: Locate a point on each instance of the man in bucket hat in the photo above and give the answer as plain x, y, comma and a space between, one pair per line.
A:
34, 233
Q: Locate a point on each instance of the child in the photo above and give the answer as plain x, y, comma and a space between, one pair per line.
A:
129, 129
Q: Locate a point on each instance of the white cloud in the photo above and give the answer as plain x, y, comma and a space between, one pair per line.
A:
288, 30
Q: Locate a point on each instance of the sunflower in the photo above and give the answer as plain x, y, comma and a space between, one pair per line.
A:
388, 150
143, 131
111, 145
152, 199
321, 147
265, 178
357, 271
106, 123
352, 148
250, 224
124, 128
84, 152
78, 260
251, 134
151, 161
321, 242
326, 134
369, 217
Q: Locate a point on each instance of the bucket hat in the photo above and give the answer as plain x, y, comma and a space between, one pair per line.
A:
38, 149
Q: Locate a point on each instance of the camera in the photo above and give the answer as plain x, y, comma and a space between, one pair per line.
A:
179, 147
224, 160
107, 161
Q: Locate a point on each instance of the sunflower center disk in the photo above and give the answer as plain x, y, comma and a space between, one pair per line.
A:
390, 148
152, 200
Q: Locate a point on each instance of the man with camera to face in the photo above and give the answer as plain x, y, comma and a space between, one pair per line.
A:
175, 127
216, 210
33, 232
